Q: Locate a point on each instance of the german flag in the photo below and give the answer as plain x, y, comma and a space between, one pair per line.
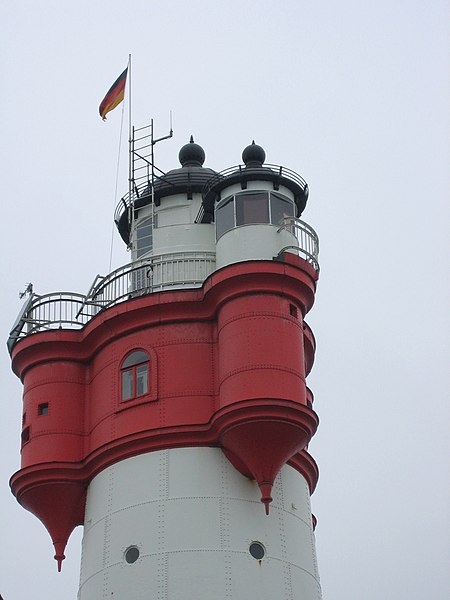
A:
114, 96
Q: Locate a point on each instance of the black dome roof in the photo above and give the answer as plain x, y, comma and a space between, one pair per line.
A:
191, 154
253, 155
190, 178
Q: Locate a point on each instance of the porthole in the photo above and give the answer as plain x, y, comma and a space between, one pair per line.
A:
131, 554
257, 550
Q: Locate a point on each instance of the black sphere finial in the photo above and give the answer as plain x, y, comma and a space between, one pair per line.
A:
253, 155
191, 154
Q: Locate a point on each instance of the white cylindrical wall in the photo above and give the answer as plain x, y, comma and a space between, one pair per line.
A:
261, 241
174, 227
252, 242
193, 516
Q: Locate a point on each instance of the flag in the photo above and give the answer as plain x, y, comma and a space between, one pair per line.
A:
114, 96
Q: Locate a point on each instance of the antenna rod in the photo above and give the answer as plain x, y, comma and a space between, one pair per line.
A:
130, 153
130, 136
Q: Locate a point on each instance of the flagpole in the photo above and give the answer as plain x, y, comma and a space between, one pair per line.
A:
130, 151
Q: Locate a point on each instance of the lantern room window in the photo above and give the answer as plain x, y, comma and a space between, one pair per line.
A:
134, 375
252, 208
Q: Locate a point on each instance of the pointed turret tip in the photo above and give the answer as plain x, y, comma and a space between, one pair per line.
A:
59, 558
191, 140
266, 501
59, 554
266, 498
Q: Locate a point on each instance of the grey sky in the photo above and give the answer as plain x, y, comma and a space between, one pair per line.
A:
354, 96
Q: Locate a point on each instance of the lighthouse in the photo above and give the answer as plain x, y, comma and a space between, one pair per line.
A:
166, 411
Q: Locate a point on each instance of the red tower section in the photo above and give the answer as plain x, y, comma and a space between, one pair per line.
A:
227, 368
225, 364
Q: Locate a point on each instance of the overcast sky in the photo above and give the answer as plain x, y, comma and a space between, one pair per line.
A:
354, 96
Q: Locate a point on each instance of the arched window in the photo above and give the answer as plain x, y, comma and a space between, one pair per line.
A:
134, 375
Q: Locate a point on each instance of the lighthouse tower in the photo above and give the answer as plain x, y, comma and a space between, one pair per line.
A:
167, 410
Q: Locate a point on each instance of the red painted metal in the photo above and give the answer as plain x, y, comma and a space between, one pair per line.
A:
227, 369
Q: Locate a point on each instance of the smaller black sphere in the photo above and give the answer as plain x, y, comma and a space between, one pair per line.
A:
253, 155
191, 155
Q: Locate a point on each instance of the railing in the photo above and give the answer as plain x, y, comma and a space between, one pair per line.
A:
243, 170
176, 270
128, 199
63, 310
308, 240
157, 273
59, 310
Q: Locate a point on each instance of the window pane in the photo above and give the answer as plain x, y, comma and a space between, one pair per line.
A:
141, 380
127, 384
224, 217
144, 236
280, 208
43, 409
252, 208
134, 359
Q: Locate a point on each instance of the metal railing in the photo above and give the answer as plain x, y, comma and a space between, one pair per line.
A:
243, 170
308, 240
63, 310
177, 270
59, 310
153, 274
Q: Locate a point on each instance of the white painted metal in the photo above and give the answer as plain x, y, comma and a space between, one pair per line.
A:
174, 228
193, 516
252, 242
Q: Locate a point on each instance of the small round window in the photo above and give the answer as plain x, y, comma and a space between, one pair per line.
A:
131, 554
257, 550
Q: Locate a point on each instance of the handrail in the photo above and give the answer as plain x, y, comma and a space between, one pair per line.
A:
177, 270
50, 311
144, 186
242, 170
155, 273
308, 240
65, 310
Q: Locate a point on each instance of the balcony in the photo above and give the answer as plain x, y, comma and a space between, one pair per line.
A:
66, 310
308, 241
178, 270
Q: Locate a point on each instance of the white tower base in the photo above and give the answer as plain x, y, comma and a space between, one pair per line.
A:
192, 517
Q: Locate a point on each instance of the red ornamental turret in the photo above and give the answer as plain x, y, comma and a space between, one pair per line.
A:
199, 343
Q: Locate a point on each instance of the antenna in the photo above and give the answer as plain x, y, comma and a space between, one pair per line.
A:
28, 290
142, 158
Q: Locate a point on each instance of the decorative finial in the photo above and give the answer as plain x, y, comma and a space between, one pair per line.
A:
253, 155
191, 154
59, 553
266, 494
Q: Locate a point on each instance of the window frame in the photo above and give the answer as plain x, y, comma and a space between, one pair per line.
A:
43, 409
233, 198
142, 247
132, 368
